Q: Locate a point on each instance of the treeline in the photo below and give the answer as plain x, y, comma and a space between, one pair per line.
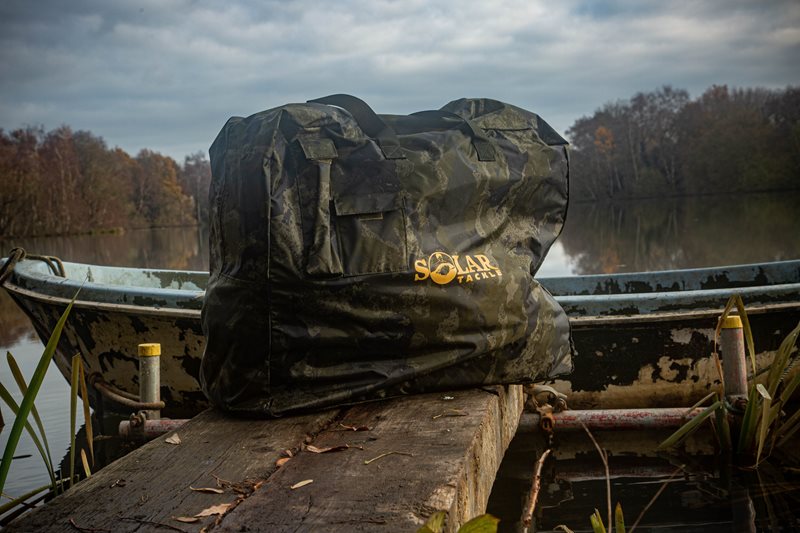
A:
663, 143
66, 182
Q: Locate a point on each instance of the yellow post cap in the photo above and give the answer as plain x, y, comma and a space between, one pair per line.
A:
149, 349
732, 322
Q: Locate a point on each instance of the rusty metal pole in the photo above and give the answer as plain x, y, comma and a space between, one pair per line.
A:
734, 361
649, 418
149, 429
150, 376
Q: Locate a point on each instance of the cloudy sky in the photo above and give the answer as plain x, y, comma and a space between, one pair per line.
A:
166, 74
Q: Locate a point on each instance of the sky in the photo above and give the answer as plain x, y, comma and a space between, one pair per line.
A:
166, 74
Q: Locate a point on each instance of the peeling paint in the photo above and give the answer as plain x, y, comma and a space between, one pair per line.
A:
632, 363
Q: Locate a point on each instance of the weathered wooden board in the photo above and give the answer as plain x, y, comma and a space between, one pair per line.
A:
450, 450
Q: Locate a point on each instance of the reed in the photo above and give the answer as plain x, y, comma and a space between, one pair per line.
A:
765, 419
25, 407
78, 387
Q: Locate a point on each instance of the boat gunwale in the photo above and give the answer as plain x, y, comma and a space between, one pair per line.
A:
185, 303
171, 312
576, 321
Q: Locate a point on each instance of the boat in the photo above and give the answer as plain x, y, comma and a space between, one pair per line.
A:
641, 339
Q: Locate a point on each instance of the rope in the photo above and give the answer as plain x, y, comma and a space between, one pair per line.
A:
127, 399
18, 254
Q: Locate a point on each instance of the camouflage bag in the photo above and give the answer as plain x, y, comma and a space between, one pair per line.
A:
357, 256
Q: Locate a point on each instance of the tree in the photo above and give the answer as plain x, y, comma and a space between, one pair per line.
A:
157, 195
195, 180
662, 143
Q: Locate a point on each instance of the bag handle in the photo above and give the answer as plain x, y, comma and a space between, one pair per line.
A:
445, 119
369, 122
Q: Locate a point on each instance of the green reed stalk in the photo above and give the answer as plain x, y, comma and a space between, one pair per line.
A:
33, 389
23, 388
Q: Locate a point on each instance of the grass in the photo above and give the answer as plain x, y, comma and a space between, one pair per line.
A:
764, 424
26, 406
27, 409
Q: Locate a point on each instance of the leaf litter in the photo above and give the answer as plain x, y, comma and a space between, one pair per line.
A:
302, 484
451, 412
381, 456
209, 490
222, 508
325, 449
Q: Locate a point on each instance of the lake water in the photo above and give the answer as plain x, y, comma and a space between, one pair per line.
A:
637, 236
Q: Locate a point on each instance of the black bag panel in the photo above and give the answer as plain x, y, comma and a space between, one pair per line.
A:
371, 234
235, 368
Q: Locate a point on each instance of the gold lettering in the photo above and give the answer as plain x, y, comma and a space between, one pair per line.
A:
421, 266
485, 262
459, 269
471, 268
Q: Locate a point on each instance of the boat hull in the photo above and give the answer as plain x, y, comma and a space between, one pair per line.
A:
107, 341
647, 350
663, 363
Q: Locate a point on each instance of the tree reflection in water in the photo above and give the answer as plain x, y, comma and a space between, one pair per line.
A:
676, 233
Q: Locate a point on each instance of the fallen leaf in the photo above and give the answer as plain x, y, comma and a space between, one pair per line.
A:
326, 449
381, 456
302, 484
282, 461
214, 509
211, 490
186, 519
452, 412
173, 439
288, 453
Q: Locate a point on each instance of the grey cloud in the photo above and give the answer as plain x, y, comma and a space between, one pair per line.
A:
167, 74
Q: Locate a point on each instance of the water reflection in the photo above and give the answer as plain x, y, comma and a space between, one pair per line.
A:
679, 233
175, 248
701, 490
14, 325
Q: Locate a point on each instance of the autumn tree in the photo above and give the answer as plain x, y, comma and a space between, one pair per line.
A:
662, 143
195, 180
157, 196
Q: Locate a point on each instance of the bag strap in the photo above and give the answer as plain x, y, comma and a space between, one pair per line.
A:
369, 122
447, 120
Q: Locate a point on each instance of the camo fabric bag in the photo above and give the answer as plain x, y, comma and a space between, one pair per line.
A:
356, 256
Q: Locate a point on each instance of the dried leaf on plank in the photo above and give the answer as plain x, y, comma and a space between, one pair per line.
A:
214, 509
210, 490
186, 519
325, 449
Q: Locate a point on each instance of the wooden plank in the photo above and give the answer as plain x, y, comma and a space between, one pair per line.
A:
152, 482
455, 447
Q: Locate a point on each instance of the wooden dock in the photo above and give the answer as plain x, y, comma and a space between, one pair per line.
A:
391, 464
